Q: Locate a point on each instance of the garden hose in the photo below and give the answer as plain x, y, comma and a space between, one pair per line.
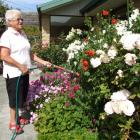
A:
17, 114
66, 70
17, 109
58, 67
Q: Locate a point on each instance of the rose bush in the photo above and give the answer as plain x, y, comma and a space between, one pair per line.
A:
106, 99
107, 56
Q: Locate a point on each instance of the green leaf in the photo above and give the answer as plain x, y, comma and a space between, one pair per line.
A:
86, 74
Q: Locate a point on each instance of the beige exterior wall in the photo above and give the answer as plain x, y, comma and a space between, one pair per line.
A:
45, 28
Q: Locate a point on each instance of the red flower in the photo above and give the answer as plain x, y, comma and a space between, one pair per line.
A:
105, 12
76, 87
114, 21
67, 104
90, 53
85, 62
71, 95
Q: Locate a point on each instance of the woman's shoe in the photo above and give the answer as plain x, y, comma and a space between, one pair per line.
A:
15, 128
23, 121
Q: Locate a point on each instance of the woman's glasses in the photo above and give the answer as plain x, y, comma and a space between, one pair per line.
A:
18, 19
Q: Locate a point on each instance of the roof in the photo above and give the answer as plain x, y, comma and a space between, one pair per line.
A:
89, 7
48, 6
92, 5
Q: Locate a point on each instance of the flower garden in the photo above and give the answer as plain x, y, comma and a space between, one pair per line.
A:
103, 101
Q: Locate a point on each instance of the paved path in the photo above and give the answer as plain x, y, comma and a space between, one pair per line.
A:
5, 134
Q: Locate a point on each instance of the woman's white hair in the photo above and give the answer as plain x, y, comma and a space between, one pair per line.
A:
11, 14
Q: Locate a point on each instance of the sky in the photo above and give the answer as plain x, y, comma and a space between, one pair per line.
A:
25, 5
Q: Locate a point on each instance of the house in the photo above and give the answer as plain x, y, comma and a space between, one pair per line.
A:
59, 16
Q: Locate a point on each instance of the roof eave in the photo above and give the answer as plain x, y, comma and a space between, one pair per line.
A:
54, 5
91, 5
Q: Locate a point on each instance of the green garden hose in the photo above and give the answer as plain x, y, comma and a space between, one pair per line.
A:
17, 96
17, 114
17, 109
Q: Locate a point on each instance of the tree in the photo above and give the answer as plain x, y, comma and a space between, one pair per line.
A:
3, 8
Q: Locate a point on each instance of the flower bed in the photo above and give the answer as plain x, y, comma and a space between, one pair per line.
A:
105, 101
56, 107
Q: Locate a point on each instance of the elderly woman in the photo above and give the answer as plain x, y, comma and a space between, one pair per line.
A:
16, 56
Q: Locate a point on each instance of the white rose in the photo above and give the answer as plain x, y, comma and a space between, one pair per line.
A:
95, 62
79, 32
105, 46
73, 30
125, 92
105, 58
100, 52
112, 53
127, 42
108, 108
130, 41
130, 59
116, 107
127, 107
117, 96
137, 44
120, 73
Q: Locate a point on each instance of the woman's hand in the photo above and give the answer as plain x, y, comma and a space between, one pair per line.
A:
47, 64
41, 61
24, 69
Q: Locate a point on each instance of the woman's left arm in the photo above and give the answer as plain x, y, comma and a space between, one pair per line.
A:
35, 58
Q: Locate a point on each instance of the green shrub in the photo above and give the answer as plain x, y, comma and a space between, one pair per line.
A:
53, 53
62, 116
81, 134
33, 34
55, 116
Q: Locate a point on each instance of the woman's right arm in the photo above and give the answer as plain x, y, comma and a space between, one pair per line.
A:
5, 56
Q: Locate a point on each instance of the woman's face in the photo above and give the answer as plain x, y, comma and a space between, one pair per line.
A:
16, 23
